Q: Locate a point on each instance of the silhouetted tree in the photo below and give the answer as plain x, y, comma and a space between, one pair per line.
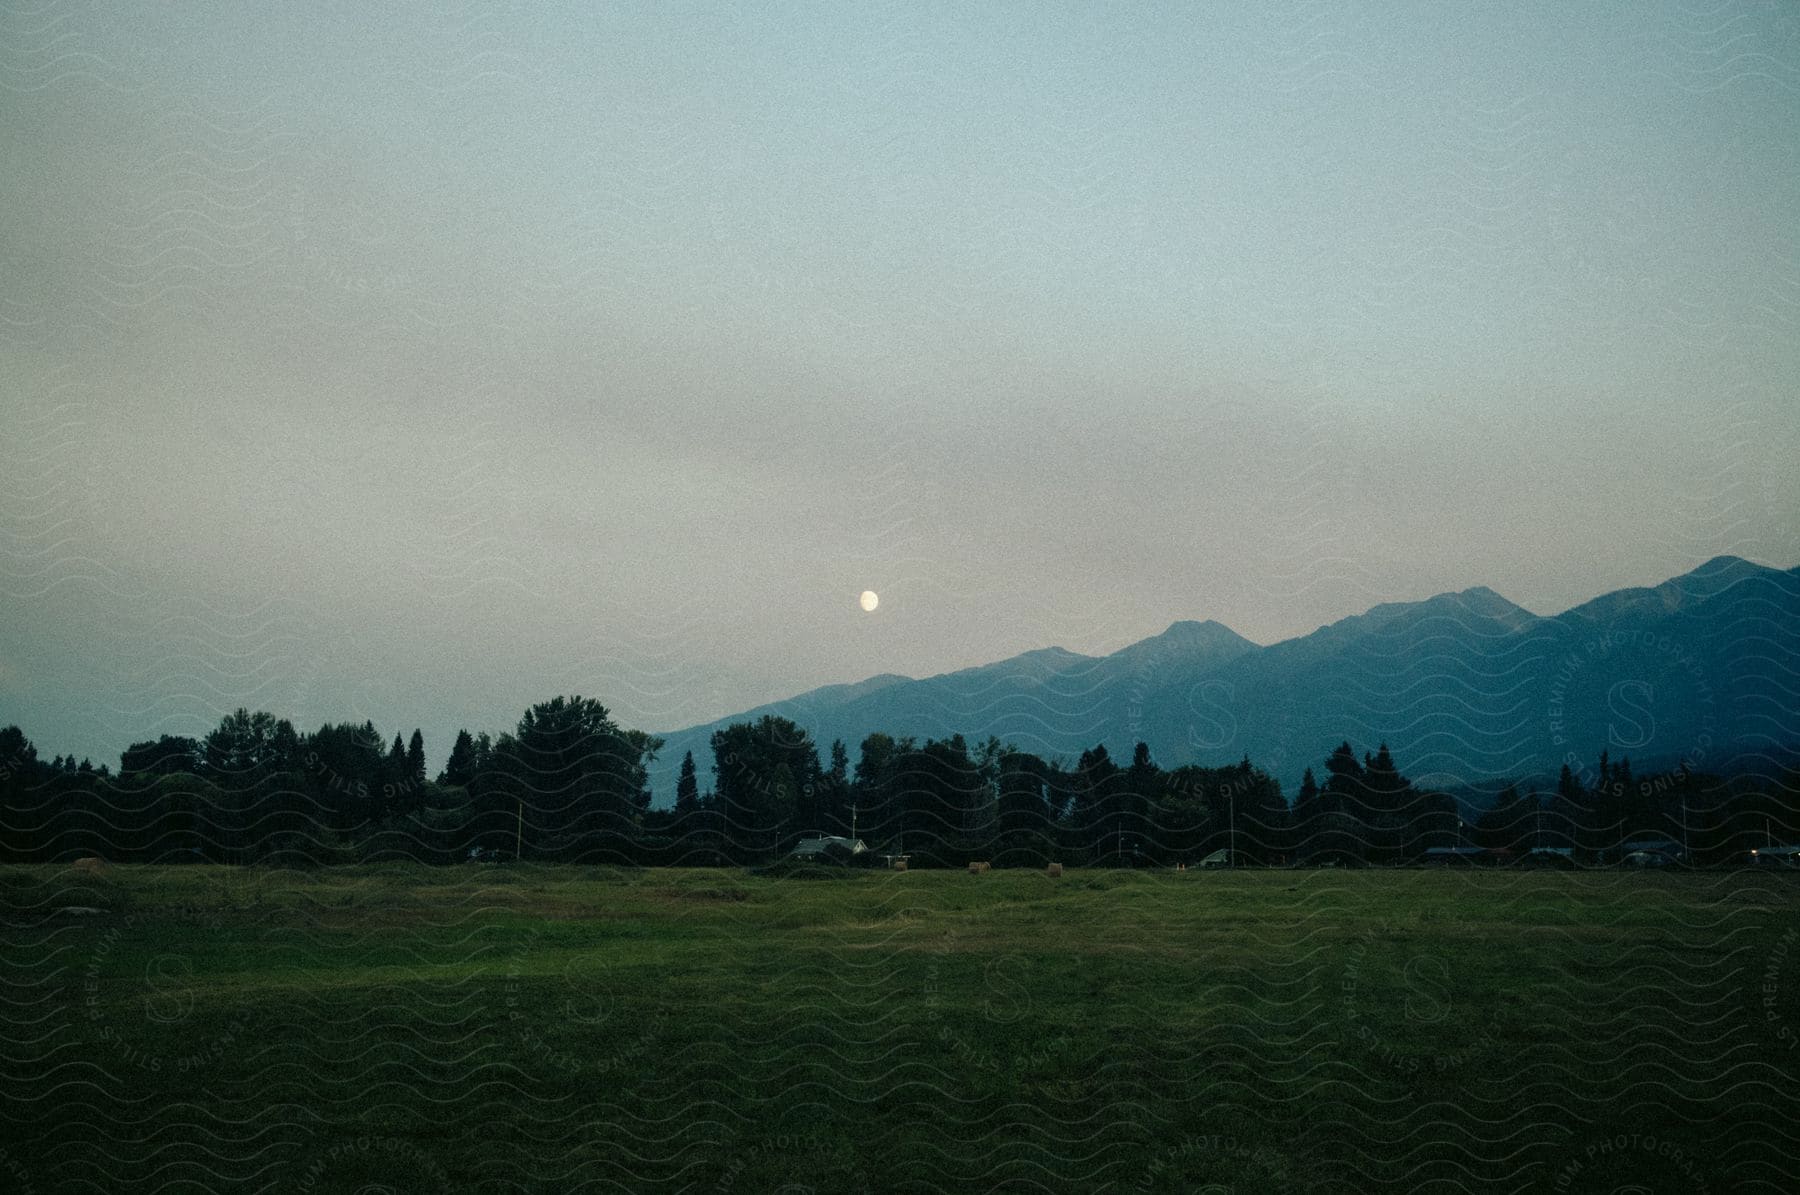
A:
576, 780
1388, 792
243, 747
1305, 800
1023, 813
763, 771
1507, 824
1344, 789
687, 786
459, 769
169, 755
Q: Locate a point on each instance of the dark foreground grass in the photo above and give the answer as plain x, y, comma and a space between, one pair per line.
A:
551, 1029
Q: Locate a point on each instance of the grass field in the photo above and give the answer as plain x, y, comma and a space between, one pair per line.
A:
548, 1029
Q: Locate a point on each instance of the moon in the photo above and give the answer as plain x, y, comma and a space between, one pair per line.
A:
870, 599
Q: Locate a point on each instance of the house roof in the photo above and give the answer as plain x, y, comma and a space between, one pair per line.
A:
813, 844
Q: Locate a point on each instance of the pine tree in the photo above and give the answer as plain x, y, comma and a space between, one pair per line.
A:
396, 763
459, 769
1308, 794
687, 786
1388, 791
415, 757
1343, 781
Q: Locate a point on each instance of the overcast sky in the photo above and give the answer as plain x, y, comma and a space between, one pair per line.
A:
421, 365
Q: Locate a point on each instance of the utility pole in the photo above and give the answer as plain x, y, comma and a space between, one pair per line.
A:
1686, 851
1232, 861
519, 834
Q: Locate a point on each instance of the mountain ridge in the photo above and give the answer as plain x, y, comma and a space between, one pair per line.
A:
1464, 684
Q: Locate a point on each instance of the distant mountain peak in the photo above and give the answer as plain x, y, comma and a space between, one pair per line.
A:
1186, 642
1037, 660
1698, 584
1050, 653
1479, 599
1477, 602
1189, 626
1192, 631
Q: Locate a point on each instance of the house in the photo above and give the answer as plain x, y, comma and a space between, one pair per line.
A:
814, 845
1665, 850
1775, 856
1446, 855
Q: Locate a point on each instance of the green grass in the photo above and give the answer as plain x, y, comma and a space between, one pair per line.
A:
547, 1029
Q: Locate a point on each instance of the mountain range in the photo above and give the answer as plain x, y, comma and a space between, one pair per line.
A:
1464, 687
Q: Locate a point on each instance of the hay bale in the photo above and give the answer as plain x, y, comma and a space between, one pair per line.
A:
1053, 870
976, 869
899, 864
89, 863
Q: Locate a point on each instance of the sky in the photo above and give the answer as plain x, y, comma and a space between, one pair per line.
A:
419, 364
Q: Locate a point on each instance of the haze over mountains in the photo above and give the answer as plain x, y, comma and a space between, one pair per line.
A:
1462, 686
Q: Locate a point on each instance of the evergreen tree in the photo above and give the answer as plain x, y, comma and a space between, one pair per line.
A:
459, 769
1343, 791
1388, 791
415, 758
1308, 795
397, 756
687, 786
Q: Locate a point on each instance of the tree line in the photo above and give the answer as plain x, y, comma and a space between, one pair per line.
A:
570, 784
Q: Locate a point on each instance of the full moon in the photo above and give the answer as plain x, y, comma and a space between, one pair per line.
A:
870, 599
